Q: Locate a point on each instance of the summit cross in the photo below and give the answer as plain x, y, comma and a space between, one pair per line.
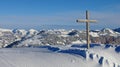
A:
87, 21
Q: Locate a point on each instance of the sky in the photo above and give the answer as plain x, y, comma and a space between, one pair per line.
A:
35, 13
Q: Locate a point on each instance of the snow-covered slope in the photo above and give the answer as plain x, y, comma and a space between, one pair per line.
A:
61, 56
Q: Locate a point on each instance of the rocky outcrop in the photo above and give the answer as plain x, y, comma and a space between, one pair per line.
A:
106, 40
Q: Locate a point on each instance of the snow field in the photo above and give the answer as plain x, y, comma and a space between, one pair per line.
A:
60, 56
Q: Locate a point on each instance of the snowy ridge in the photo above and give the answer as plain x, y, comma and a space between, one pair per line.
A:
104, 57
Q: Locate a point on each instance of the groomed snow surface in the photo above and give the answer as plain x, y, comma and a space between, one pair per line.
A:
61, 56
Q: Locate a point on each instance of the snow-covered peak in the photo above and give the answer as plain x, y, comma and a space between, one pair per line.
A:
107, 30
21, 32
32, 32
110, 32
94, 34
5, 30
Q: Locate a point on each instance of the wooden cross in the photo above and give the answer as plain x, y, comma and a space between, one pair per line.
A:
87, 27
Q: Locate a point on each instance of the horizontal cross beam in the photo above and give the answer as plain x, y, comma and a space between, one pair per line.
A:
80, 20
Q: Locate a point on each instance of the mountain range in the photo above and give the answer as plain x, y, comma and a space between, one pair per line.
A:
32, 38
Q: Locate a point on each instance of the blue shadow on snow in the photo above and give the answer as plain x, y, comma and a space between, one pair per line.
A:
117, 49
85, 45
75, 51
50, 48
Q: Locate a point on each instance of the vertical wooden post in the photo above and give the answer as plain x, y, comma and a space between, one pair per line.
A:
87, 30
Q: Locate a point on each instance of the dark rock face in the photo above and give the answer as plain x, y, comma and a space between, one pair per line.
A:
117, 30
74, 32
106, 40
